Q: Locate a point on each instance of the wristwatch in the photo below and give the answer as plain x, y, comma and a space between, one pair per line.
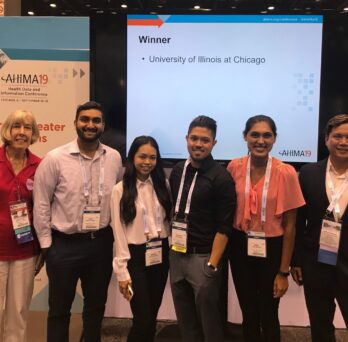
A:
209, 264
283, 274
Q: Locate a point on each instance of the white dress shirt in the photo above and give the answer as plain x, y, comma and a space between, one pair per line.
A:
337, 181
134, 233
58, 192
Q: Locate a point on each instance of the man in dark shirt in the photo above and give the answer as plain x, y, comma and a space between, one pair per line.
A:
320, 260
205, 199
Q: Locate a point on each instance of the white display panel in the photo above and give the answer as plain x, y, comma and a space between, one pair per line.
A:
229, 67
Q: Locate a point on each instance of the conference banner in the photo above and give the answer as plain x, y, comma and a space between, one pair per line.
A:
44, 68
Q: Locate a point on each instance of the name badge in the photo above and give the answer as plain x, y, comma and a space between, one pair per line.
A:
91, 218
257, 245
179, 236
153, 254
21, 222
329, 242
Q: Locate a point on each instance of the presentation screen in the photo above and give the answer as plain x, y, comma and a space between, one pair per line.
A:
228, 67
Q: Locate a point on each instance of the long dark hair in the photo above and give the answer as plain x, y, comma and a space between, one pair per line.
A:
130, 193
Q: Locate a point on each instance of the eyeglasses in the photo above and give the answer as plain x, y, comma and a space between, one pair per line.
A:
257, 135
87, 119
340, 137
18, 125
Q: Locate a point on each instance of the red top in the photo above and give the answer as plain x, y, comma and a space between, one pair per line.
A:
9, 248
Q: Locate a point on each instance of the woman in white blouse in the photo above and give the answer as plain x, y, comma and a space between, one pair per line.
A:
140, 211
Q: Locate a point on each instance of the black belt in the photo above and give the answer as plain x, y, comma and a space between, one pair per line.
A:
198, 249
89, 235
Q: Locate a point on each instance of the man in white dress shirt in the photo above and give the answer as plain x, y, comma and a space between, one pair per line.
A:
72, 214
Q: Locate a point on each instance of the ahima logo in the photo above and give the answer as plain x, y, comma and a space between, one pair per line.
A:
25, 78
295, 153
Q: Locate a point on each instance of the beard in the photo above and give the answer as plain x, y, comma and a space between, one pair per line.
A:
81, 132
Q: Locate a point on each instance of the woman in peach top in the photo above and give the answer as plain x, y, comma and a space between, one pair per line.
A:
262, 240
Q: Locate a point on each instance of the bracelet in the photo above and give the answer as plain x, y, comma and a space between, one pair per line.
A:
283, 274
209, 264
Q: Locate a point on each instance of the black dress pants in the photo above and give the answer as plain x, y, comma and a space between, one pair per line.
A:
253, 279
87, 257
148, 286
322, 285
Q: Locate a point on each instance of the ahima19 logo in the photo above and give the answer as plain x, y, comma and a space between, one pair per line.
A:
295, 153
37, 79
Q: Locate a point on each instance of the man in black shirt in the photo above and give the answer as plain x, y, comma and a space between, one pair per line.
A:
205, 199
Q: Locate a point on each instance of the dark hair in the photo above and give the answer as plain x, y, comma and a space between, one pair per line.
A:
89, 105
130, 193
260, 118
334, 122
203, 121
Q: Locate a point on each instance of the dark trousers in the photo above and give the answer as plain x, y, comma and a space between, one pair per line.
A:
196, 295
148, 285
73, 257
322, 285
253, 278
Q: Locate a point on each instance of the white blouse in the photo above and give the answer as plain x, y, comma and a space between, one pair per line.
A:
134, 233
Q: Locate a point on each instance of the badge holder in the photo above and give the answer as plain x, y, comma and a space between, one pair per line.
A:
153, 254
257, 244
21, 222
91, 218
329, 240
179, 234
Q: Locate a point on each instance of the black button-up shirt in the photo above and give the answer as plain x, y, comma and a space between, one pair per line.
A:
213, 201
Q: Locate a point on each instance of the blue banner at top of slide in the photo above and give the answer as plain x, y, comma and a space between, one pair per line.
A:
44, 33
216, 18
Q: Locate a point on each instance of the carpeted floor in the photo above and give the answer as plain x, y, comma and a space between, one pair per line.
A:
116, 330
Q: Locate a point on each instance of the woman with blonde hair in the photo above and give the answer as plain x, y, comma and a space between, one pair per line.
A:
18, 244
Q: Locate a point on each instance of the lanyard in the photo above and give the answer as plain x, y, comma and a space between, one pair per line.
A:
101, 178
145, 214
189, 196
19, 195
264, 190
335, 195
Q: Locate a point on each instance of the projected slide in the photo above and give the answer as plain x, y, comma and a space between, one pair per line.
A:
229, 67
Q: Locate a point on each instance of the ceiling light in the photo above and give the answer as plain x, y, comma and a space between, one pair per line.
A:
233, 7
263, 12
345, 9
196, 7
53, 5
124, 6
31, 13
271, 8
